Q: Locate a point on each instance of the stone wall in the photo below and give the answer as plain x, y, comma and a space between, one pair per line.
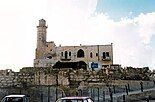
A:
41, 83
49, 76
8, 78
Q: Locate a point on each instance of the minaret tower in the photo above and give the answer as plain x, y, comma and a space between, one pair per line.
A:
41, 38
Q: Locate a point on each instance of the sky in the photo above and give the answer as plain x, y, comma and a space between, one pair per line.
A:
128, 24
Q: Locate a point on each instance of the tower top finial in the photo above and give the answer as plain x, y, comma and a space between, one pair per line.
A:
42, 22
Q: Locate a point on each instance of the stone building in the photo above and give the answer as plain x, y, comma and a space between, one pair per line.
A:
87, 57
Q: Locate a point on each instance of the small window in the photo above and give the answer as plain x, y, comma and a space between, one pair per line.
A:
66, 54
96, 54
104, 55
91, 55
49, 57
69, 53
107, 54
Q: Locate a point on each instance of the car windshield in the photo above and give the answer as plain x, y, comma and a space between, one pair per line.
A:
14, 99
73, 100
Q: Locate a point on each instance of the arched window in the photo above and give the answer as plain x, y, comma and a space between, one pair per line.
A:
66, 54
104, 55
80, 53
48, 56
69, 53
91, 55
61, 53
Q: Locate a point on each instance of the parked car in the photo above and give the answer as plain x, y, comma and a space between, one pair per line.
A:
75, 99
15, 98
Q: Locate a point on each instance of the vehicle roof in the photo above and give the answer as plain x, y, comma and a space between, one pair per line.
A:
15, 96
75, 97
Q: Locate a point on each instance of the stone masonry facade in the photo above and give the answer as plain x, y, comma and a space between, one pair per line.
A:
83, 56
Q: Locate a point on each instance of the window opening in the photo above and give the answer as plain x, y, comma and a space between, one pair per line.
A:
49, 57
61, 53
107, 54
69, 53
91, 55
104, 55
66, 54
96, 54
80, 53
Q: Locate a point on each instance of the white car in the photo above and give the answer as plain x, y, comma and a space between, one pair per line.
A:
15, 98
75, 99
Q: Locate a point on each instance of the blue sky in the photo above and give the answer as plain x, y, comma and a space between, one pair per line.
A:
117, 9
128, 24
